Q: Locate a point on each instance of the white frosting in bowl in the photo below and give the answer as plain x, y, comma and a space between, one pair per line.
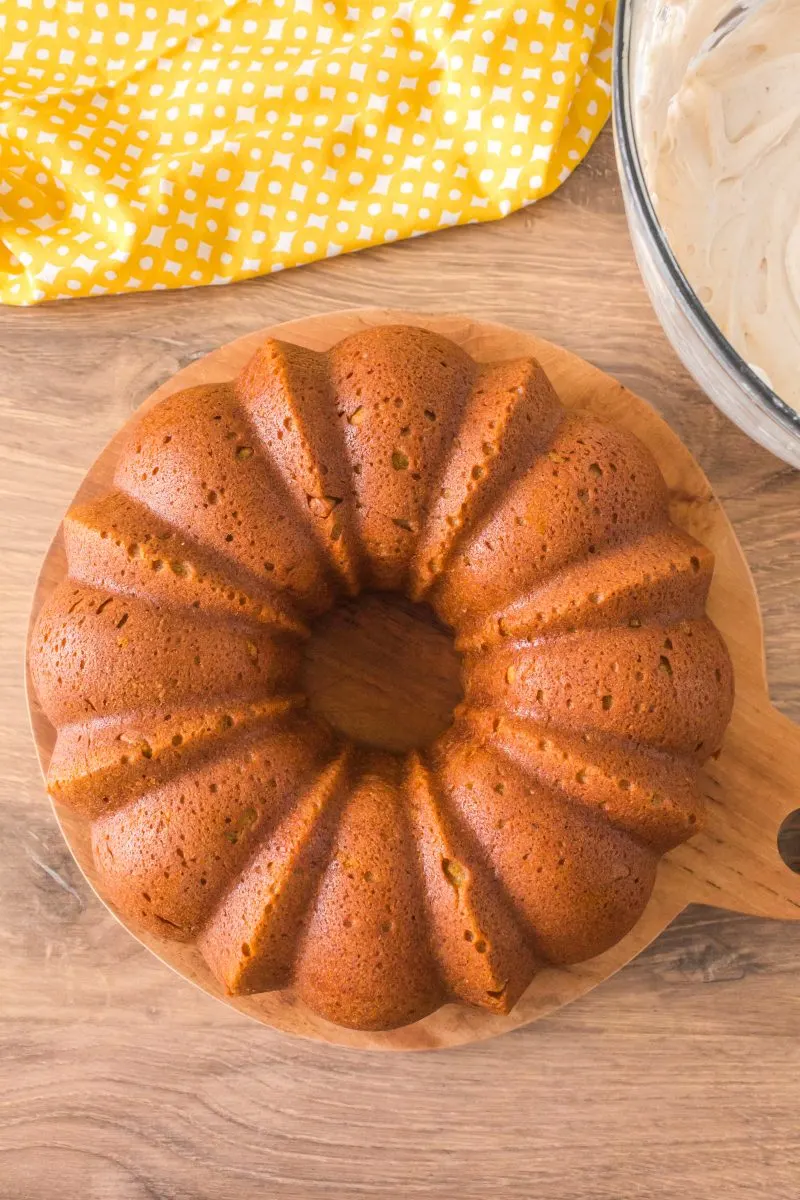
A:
718, 126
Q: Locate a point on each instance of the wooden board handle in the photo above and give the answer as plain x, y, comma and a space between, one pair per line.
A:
735, 862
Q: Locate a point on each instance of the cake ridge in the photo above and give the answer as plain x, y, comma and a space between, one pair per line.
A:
559, 511
316, 812
474, 937
675, 682
234, 492
437, 472
172, 852
379, 973
231, 580
398, 391
98, 657
624, 820
327, 514
480, 714
279, 484
658, 609
477, 851
489, 454
555, 864
141, 743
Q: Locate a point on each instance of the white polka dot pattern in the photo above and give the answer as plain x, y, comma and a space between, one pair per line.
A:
169, 144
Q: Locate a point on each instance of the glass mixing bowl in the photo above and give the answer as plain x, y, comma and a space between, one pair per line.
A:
718, 368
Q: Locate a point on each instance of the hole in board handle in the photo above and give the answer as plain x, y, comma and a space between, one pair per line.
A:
789, 841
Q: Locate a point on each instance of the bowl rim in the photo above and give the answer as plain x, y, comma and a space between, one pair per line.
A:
736, 366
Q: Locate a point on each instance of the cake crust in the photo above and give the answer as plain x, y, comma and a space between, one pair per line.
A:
379, 886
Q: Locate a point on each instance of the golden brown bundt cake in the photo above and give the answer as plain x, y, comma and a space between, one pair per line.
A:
378, 886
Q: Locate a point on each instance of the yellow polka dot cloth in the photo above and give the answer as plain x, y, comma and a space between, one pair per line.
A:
170, 143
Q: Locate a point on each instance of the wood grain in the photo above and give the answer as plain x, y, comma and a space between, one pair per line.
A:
678, 1077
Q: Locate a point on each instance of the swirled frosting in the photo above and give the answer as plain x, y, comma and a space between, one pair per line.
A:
718, 124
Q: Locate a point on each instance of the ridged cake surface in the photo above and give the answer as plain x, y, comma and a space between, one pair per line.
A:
378, 886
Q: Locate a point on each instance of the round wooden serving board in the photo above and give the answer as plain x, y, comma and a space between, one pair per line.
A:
751, 788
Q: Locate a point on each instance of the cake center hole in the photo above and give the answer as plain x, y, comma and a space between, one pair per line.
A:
383, 671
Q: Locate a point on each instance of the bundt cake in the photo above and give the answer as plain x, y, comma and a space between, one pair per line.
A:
378, 886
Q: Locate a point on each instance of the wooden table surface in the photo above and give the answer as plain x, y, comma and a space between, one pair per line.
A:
118, 1081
